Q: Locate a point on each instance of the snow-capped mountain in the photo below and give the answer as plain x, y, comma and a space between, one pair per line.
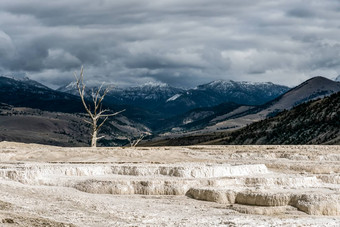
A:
243, 92
217, 92
25, 81
34, 83
171, 101
337, 79
148, 91
70, 88
149, 95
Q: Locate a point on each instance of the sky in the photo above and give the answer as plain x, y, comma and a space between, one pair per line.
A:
183, 43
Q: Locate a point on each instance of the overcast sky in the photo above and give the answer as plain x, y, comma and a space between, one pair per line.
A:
180, 42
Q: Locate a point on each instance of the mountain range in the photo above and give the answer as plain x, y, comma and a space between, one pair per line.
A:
153, 108
220, 91
314, 88
172, 101
149, 95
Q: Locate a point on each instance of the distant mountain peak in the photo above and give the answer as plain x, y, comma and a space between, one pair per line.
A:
9, 77
215, 82
313, 88
231, 84
318, 78
73, 84
26, 80
316, 81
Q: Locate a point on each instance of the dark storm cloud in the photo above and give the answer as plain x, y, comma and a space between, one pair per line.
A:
182, 43
302, 12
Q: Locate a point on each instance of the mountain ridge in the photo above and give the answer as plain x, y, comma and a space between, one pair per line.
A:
171, 101
200, 120
217, 92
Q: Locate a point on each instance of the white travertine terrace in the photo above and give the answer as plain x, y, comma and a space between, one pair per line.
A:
170, 186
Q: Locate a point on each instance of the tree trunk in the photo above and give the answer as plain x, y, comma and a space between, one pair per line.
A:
94, 139
94, 134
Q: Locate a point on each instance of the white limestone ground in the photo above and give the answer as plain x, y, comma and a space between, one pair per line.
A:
169, 186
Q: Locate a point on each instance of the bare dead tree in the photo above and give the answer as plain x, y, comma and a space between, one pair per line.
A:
97, 112
135, 141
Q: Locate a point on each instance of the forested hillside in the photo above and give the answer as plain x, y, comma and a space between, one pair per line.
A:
315, 122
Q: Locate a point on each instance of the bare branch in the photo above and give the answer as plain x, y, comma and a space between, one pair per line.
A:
98, 91
109, 115
138, 140
103, 111
81, 90
100, 137
105, 92
97, 103
135, 142
101, 124
88, 122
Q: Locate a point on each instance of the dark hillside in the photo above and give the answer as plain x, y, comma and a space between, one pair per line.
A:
315, 122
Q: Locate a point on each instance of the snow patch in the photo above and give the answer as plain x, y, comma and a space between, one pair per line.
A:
173, 98
71, 85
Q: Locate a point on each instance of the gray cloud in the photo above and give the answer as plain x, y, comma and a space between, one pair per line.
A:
183, 43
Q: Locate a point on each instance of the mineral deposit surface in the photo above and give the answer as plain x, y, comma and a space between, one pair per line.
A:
169, 186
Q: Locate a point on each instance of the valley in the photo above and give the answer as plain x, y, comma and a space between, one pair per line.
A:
157, 110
